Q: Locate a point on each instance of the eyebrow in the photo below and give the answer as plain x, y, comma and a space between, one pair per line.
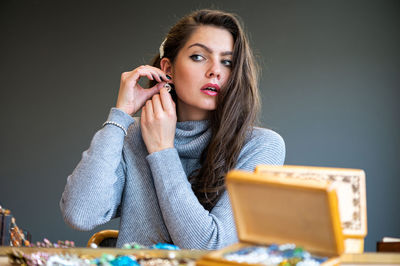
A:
208, 49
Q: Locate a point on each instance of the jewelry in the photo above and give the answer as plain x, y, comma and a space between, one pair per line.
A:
11, 234
117, 125
286, 254
168, 86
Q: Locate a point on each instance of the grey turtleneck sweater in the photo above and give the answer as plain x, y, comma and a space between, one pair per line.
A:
151, 192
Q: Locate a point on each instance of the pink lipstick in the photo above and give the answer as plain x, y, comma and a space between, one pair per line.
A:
210, 89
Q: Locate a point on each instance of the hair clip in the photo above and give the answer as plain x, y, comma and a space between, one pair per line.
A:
161, 49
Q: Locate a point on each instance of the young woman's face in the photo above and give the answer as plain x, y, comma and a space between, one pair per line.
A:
201, 68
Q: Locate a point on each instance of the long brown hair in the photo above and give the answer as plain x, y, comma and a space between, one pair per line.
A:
237, 108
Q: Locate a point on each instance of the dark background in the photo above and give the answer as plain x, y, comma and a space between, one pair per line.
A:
329, 85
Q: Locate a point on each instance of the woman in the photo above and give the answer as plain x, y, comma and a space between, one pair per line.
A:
163, 174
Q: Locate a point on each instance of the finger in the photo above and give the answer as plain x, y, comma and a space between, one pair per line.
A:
166, 100
157, 106
130, 77
143, 116
156, 76
161, 74
165, 77
144, 71
155, 89
149, 111
156, 72
149, 76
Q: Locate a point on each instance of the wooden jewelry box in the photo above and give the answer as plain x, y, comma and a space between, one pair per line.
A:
270, 210
351, 192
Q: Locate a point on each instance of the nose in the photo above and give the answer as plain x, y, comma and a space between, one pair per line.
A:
214, 70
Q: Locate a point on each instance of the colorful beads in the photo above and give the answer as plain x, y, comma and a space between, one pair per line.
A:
11, 234
165, 246
134, 245
43, 258
124, 261
282, 255
60, 244
108, 259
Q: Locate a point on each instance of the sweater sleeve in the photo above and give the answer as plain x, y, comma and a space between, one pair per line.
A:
93, 191
189, 224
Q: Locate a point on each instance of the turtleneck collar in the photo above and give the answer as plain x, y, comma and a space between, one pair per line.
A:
191, 138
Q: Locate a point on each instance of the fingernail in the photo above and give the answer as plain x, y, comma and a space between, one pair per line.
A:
168, 77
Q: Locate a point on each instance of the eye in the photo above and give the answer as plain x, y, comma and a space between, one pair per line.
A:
197, 57
227, 63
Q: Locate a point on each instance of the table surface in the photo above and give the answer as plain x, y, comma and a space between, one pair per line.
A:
381, 258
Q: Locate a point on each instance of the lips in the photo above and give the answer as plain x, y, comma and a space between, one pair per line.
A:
210, 89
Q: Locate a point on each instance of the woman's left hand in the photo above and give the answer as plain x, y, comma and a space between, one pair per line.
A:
158, 122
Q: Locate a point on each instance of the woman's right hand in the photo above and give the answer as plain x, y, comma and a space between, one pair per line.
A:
132, 96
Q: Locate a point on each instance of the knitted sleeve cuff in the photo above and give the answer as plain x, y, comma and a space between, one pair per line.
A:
119, 118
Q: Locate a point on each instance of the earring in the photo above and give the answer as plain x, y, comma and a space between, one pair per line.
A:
168, 86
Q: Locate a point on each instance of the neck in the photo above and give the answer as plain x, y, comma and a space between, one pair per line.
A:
190, 113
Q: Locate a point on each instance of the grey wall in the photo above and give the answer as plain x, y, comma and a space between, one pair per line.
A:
330, 87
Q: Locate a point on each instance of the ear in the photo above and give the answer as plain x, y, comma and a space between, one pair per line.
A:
166, 66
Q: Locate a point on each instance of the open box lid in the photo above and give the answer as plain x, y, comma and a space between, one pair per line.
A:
279, 211
350, 188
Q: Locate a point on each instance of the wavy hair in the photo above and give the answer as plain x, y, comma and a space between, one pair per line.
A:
237, 105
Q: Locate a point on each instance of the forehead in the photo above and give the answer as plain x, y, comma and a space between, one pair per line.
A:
216, 38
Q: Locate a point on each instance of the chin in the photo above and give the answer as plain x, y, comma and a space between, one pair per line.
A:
209, 108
